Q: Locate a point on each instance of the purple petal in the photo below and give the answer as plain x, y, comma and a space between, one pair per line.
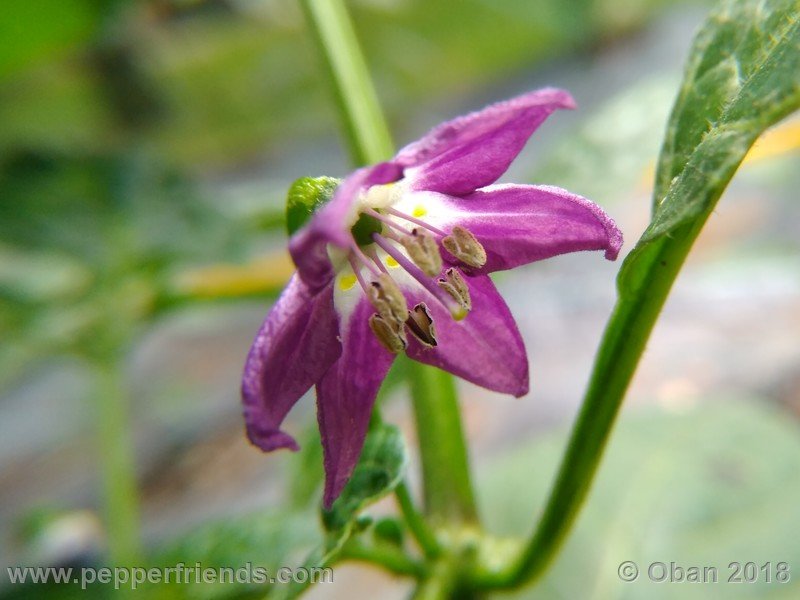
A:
519, 224
331, 224
474, 150
345, 396
292, 350
485, 348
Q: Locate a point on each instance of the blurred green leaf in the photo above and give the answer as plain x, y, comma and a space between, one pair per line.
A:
704, 485
263, 540
229, 79
34, 31
380, 468
90, 245
306, 472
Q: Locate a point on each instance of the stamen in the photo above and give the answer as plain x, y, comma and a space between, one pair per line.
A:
422, 249
357, 271
454, 284
416, 221
456, 310
370, 251
359, 253
420, 323
391, 337
463, 245
384, 219
387, 299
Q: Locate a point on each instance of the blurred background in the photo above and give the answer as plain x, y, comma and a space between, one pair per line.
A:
145, 150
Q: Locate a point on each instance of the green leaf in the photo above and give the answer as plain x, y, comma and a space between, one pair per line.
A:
743, 68
379, 470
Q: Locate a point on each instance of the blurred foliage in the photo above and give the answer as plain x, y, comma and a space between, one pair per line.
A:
109, 109
89, 245
702, 485
227, 79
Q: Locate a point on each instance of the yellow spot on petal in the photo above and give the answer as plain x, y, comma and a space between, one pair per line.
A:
419, 211
346, 282
390, 262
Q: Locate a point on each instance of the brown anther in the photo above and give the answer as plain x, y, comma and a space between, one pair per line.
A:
420, 323
387, 299
454, 284
422, 249
389, 334
465, 247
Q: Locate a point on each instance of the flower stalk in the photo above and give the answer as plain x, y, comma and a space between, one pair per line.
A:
443, 452
364, 125
118, 470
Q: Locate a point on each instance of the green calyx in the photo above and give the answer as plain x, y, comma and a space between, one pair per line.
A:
305, 197
308, 194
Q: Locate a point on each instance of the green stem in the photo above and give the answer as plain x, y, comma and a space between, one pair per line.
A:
117, 465
417, 525
367, 134
445, 466
390, 558
623, 343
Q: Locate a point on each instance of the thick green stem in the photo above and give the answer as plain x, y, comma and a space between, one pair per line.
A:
623, 343
117, 465
364, 125
445, 466
417, 525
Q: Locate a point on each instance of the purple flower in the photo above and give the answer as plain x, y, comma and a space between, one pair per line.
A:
418, 282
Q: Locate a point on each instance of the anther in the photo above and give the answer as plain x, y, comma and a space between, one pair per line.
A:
463, 245
456, 310
454, 284
389, 334
420, 323
422, 249
387, 299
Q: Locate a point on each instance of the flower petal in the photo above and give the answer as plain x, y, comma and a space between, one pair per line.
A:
292, 350
519, 224
345, 396
474, 150
485, 348
332, 222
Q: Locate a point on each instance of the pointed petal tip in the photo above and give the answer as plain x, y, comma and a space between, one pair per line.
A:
523, 388
615, 242
332, 491
271, 440
558, 97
